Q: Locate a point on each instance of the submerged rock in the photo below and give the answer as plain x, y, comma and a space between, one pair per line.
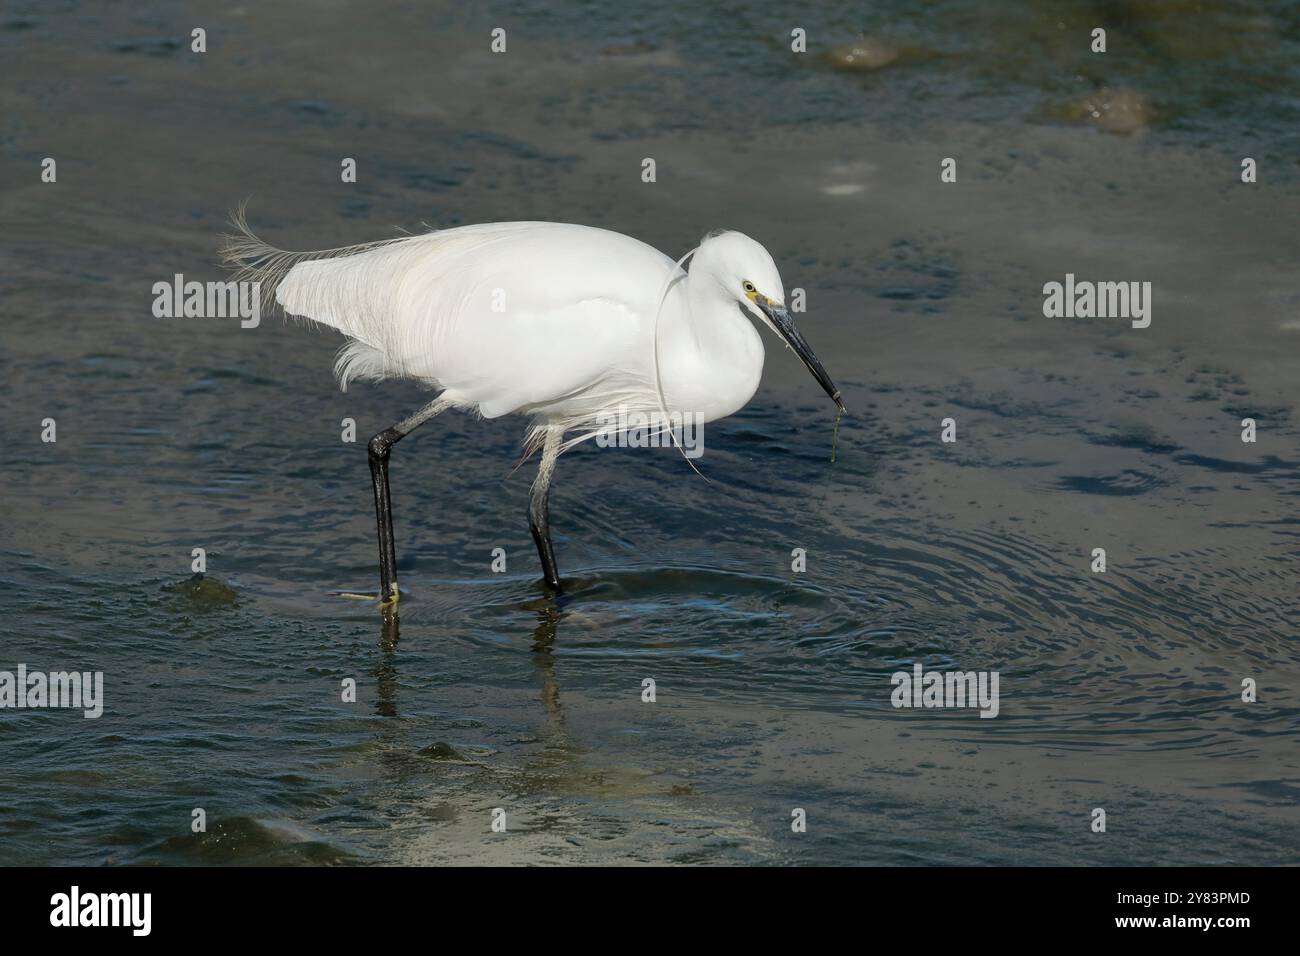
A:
254, 842
203, 592
863, 55
1114, 111
442, 751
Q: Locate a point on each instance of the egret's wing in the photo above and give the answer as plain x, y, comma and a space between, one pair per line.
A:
505, 316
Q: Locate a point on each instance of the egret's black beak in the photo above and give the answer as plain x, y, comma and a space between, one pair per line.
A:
780, 318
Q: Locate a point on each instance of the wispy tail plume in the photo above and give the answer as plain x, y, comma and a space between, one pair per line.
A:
253, 260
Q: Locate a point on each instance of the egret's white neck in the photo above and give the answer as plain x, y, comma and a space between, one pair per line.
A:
710, 355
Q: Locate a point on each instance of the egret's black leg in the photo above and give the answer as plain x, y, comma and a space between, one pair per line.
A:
539, 512
380, 448
539, 524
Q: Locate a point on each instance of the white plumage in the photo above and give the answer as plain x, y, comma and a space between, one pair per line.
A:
552, 320
568, 324
482, 310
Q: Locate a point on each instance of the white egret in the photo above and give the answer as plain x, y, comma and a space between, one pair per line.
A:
566, 324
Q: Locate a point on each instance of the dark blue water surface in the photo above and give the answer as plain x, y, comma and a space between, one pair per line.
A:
1119, 690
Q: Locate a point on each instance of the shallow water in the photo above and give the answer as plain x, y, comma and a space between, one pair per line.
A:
1118, 690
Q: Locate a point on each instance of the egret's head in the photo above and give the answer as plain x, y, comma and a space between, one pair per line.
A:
745, 272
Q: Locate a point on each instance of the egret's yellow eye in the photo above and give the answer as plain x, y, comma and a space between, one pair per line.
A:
748, 287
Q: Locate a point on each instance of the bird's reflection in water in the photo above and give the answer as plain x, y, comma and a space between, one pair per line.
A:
563, 767
388, 630
548, 614
548, 619
545, 767
386, 669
